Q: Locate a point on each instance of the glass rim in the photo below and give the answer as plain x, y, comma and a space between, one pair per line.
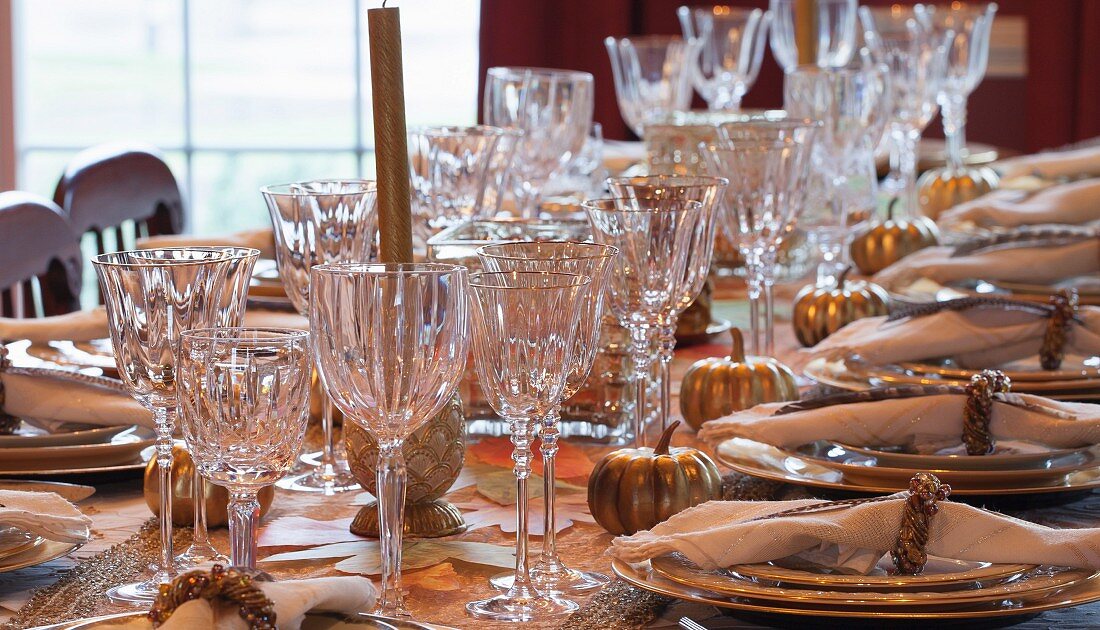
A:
452, 131
519, 72
699, 179
644, 39
601, 250
368, 185
728, 10
575, 279
230, 252
238, 333
590, 204
383, 268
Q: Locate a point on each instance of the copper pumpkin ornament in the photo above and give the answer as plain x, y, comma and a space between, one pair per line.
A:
821, 311
718, 386
632, 489
943, 188
183, 510
890, 241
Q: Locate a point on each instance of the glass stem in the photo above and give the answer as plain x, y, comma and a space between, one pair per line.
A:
642, 364
831, 261
198, 499
768, 272
163, 417
244, 512
328, 448
907, 142
667, 340
953, 108
391, 477
527, 198
549, 434
755, 287
521, 455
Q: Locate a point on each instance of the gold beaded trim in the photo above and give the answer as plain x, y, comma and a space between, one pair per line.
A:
979, 410
219, 584
1064, 311
909, 553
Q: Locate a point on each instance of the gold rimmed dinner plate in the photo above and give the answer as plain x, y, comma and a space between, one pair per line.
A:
41, 553
679, 569
66, 435
939, 573
124, 447
1009, 455
1073, 368
15, 541
895, 375
642, 576
97, 353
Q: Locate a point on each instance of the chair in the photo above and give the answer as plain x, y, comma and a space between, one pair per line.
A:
40, 260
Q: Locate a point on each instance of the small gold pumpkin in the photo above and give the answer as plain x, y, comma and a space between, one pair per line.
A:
718, 386
943, 188
632, 489
888, 242
183, 510
821, 311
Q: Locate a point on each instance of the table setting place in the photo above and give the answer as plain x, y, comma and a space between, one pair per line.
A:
757, 368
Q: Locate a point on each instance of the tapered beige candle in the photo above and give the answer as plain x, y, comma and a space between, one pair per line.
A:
390, 143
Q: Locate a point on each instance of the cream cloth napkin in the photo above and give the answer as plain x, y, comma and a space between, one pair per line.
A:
262, 239
717, 535
92, 324
45, 514
1023, 264
57, 396
980, 337
1073, 203
1052, 164
935, 419
292, 598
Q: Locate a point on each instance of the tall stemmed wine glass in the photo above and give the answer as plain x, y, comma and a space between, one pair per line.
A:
830, 42
647, 278
524, 329
652, 76
151, 296
553, 110
244, 405
390, 342
593, 261
731, 47
673, 192
319, 222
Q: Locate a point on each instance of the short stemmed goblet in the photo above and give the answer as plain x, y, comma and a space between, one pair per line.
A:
645, 286
652, 76
731, 47
319, 222
524, 329
673, 192
585, 259
244, 405
150, 297
390, 342
832, 39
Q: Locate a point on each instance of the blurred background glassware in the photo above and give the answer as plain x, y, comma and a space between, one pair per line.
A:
645, 287
449, 169
915, 61
524, 330
674, 192
498, 178
320, 222
652, 76
580, 179
853, 104
390, 342
730, 50
553, 109
674, 149
150, 297
244, 406
825, 38
591, 260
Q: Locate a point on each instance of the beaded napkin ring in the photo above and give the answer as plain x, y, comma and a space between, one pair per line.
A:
978, 410
909, 553
1064, 312
219, 584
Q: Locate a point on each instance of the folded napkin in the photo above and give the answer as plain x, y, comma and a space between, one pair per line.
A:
292, 598
45, 514
721, 534
935, 420
978, 337
56, 396
1052, 164
1073, 203
262, 239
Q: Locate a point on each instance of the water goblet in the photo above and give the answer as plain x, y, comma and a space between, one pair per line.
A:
652, 77
552, 109
244, 405
524, 329
319, 222
150, 297
585, 259
829, 43
728, 57
644, 289
673, 192
390, 342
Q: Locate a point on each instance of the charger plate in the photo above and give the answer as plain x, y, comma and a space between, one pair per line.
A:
123, 447
1041, 457
29, 436
939, 573
1074, 367
40, 553
136, 465
642, 576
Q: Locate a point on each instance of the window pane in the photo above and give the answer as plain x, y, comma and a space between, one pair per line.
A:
273, 73
104, 71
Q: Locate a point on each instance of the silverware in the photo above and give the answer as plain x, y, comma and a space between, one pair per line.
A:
688, 624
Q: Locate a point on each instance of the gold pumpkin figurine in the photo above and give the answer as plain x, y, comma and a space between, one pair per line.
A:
821, 311
718, 386
943, 188
890, 241
632, 489
183, 510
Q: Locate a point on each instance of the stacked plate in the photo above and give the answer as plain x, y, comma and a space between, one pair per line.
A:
70, 449
924, 290
946, 589
20, 549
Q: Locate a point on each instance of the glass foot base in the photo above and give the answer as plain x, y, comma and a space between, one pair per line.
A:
138, 593
565, 581
199, 554
525, 606
317, 481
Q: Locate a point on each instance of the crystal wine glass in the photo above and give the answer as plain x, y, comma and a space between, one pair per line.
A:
644, 290
524, 329
830, 42
319, 222
553, 109
652, 77
150, 297
729, 54
244, 405
390, 341
593, 261
662, 191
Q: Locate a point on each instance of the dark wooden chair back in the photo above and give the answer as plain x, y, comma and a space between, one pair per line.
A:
40, 259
